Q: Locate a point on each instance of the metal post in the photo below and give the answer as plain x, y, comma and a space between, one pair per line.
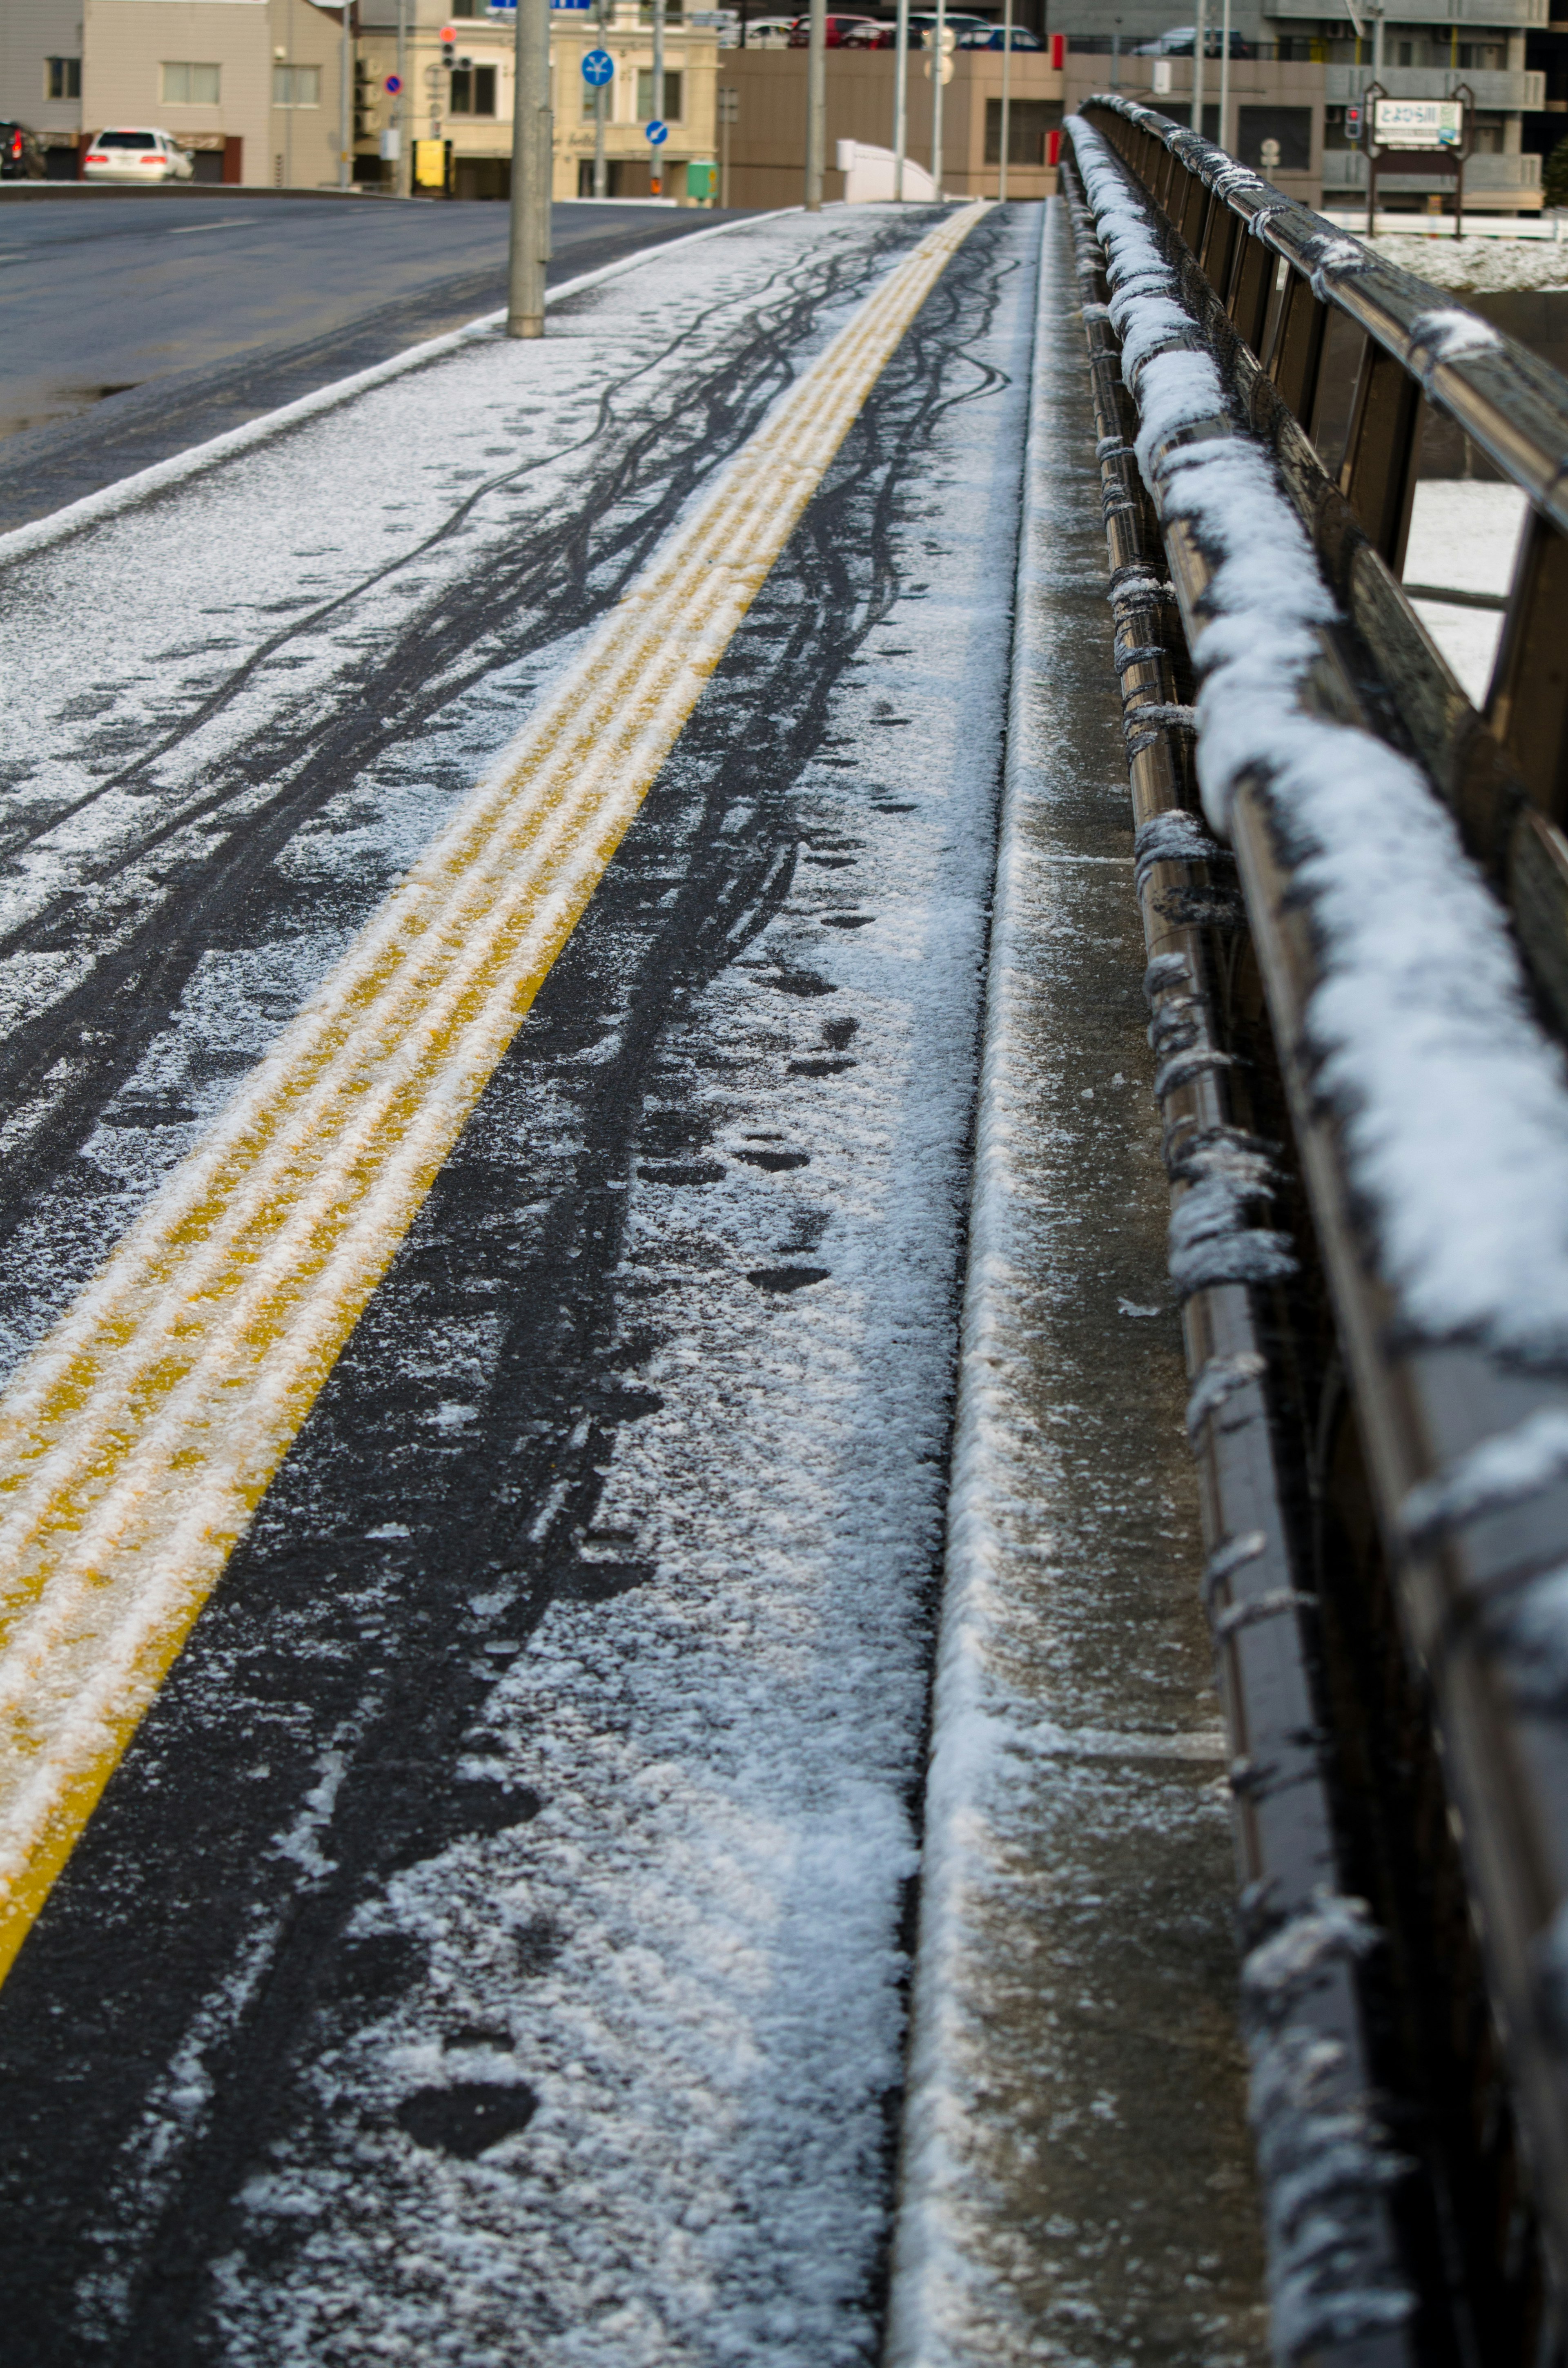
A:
1006, 94
1224, 140
1199, 59
532, 163
400, 112
817, 106
657, 177
938, 86
601, 104
727, 99
1115, 57
346, 100
899, 99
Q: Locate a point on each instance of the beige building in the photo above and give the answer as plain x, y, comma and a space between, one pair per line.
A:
253, 87
767, 144
469, 104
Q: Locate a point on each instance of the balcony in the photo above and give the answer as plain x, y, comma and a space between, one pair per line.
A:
1513, 12
1495, 94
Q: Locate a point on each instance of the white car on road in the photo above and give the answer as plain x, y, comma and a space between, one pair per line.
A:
132, 154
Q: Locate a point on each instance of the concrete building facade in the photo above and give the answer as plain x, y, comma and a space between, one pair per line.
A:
252, 87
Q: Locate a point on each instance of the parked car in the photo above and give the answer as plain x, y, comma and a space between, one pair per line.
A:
21, 154
993, 39
133, 154
869, 34
959, 21
1180, 40
768, 32
801, 38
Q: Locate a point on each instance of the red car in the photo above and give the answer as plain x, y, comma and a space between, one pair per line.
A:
869, 35
838, 27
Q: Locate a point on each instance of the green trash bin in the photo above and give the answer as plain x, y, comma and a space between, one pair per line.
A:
701, 182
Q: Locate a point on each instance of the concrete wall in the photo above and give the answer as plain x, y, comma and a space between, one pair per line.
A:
30, 31
302, 140
125, 42
768, 141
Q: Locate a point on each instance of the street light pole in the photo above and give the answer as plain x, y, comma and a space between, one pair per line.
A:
344, 99
601, 101
1199, 45
532, 161
816, 107
1006, 93
400, 112
901, 98
938, 86
658, 172
1225, 78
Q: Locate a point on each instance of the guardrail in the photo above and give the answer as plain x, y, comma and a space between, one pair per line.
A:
1414, 1444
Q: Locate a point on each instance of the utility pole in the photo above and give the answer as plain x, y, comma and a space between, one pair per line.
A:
900, 99
532, 163
729, 113
400, 112
938, 86
1006, 94
657, 177
346, 100
816, 107
1199, 47
601, 102
1225, 78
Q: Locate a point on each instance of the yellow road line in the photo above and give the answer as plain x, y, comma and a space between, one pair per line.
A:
137, 1441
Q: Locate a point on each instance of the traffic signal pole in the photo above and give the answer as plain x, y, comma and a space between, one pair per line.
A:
532, 164
816, 107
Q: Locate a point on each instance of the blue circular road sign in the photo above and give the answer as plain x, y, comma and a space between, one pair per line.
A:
393, 83
597, 67
658, 134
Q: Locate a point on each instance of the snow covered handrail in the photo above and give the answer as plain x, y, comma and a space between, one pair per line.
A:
1278, 269
1429, 1114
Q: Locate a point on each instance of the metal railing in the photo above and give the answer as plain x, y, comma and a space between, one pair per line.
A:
1339, 1416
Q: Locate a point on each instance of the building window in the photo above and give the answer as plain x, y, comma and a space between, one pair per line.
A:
473, 90
1285, 132
62, 78
645, 96
1028, 120
188, 85
296, 86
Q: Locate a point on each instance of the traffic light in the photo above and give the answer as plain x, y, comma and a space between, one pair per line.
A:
449, 45
1353, 124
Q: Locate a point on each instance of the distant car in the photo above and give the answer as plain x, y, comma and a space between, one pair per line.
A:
993, 39
957, 21
1180, 40
868, 34
21, 154
768, 32
801, 38
133, 154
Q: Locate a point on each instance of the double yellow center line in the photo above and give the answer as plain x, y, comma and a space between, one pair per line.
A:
137, 1441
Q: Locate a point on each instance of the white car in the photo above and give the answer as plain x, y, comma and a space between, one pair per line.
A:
132, 154
769, 32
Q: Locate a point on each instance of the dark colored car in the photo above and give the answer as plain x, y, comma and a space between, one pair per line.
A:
21, 154
995, 40
1181, 38
838, 26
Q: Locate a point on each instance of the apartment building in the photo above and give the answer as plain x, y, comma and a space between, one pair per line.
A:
253, 87
1308, 60
468, 103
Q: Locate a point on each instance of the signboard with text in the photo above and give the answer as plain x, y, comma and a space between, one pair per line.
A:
1418, 123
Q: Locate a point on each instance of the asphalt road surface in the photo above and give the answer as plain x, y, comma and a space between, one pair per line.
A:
491, 1945
132, 326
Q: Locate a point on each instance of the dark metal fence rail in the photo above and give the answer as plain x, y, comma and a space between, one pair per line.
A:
1440, 1733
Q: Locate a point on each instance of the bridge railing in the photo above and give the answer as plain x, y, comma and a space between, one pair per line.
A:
1385, 1478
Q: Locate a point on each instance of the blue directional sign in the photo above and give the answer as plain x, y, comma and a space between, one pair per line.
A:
598, 67
657, 133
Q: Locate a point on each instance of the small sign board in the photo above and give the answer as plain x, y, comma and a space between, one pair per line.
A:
430, 164
598, 67
392, 84
657, 134
1418, 123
